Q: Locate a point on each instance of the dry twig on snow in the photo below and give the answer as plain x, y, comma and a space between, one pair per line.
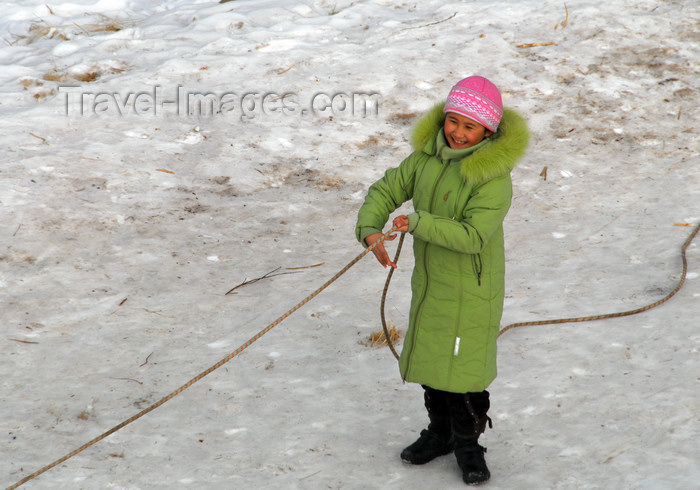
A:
533, 45
265, 276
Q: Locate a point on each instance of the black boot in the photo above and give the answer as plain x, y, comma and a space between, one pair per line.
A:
470, 458
436, 440
469, 419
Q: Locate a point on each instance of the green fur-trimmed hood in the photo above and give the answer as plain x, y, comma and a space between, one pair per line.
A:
497, 156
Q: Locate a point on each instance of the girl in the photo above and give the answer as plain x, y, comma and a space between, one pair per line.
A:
458, 177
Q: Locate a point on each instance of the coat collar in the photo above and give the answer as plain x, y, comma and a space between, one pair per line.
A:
493, 158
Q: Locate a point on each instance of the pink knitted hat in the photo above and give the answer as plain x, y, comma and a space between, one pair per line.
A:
478, 99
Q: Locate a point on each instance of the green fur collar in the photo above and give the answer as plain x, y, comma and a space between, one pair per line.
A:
498, 156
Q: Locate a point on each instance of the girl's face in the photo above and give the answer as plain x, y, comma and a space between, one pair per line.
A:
462, 132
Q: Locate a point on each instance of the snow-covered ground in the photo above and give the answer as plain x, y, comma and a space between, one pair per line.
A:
129, 209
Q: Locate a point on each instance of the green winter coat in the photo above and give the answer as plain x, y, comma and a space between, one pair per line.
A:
460, 198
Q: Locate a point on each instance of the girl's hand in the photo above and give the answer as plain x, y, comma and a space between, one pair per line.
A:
379, 251
401, 223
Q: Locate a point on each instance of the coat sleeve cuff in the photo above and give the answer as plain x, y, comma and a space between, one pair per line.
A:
365, 232
413, 221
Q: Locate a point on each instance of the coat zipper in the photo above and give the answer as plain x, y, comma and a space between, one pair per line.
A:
458, 199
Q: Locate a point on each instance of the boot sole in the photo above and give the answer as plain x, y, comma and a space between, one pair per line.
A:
418, 463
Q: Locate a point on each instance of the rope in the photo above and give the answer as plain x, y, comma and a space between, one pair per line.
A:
207, 371
387, 336
560, 320
622, 313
